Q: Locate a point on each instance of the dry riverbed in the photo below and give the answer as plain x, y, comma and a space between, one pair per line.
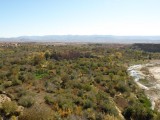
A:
147, 77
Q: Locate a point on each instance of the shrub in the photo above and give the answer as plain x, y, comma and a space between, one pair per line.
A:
49, 100
90, 114
16, 82
112, 92
65, 103
145, 101
80, 93
9, 107
78, 101
98, 79
108, 108
87, 87
1, 88
37, 112
50, 87
138, 112
77, 85
37, 59
100, 116
22, 77
7, 84
21, 92
26, 101
110, 117
87, 104
122, 87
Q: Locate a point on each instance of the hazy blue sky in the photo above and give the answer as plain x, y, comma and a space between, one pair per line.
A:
83, 17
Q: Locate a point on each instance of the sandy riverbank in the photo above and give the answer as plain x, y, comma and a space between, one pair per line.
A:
152, 89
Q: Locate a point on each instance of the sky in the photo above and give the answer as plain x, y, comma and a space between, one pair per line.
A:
79, 17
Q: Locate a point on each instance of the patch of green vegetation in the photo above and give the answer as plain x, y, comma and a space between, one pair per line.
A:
41, 73
144, 100
144, 81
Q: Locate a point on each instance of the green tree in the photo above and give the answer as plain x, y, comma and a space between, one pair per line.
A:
111, 76
47, 55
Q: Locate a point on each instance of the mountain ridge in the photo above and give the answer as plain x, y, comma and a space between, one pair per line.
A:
84, 38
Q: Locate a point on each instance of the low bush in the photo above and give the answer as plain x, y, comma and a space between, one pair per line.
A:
121, 87
9, 107
138, 112
87, 104
16, 82
87, 87
37, 112
49, 100
108, 108
7, 84
26, 101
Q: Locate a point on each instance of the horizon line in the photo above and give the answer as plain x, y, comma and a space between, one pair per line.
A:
80, 35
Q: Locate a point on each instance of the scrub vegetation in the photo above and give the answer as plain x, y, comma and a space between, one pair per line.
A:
72, 82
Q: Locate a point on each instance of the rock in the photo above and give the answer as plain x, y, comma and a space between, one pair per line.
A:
20, 109
3, 98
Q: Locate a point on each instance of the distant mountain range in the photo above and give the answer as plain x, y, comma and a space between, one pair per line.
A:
85, 38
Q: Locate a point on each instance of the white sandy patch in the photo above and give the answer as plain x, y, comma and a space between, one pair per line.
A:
135, 72
155, 72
